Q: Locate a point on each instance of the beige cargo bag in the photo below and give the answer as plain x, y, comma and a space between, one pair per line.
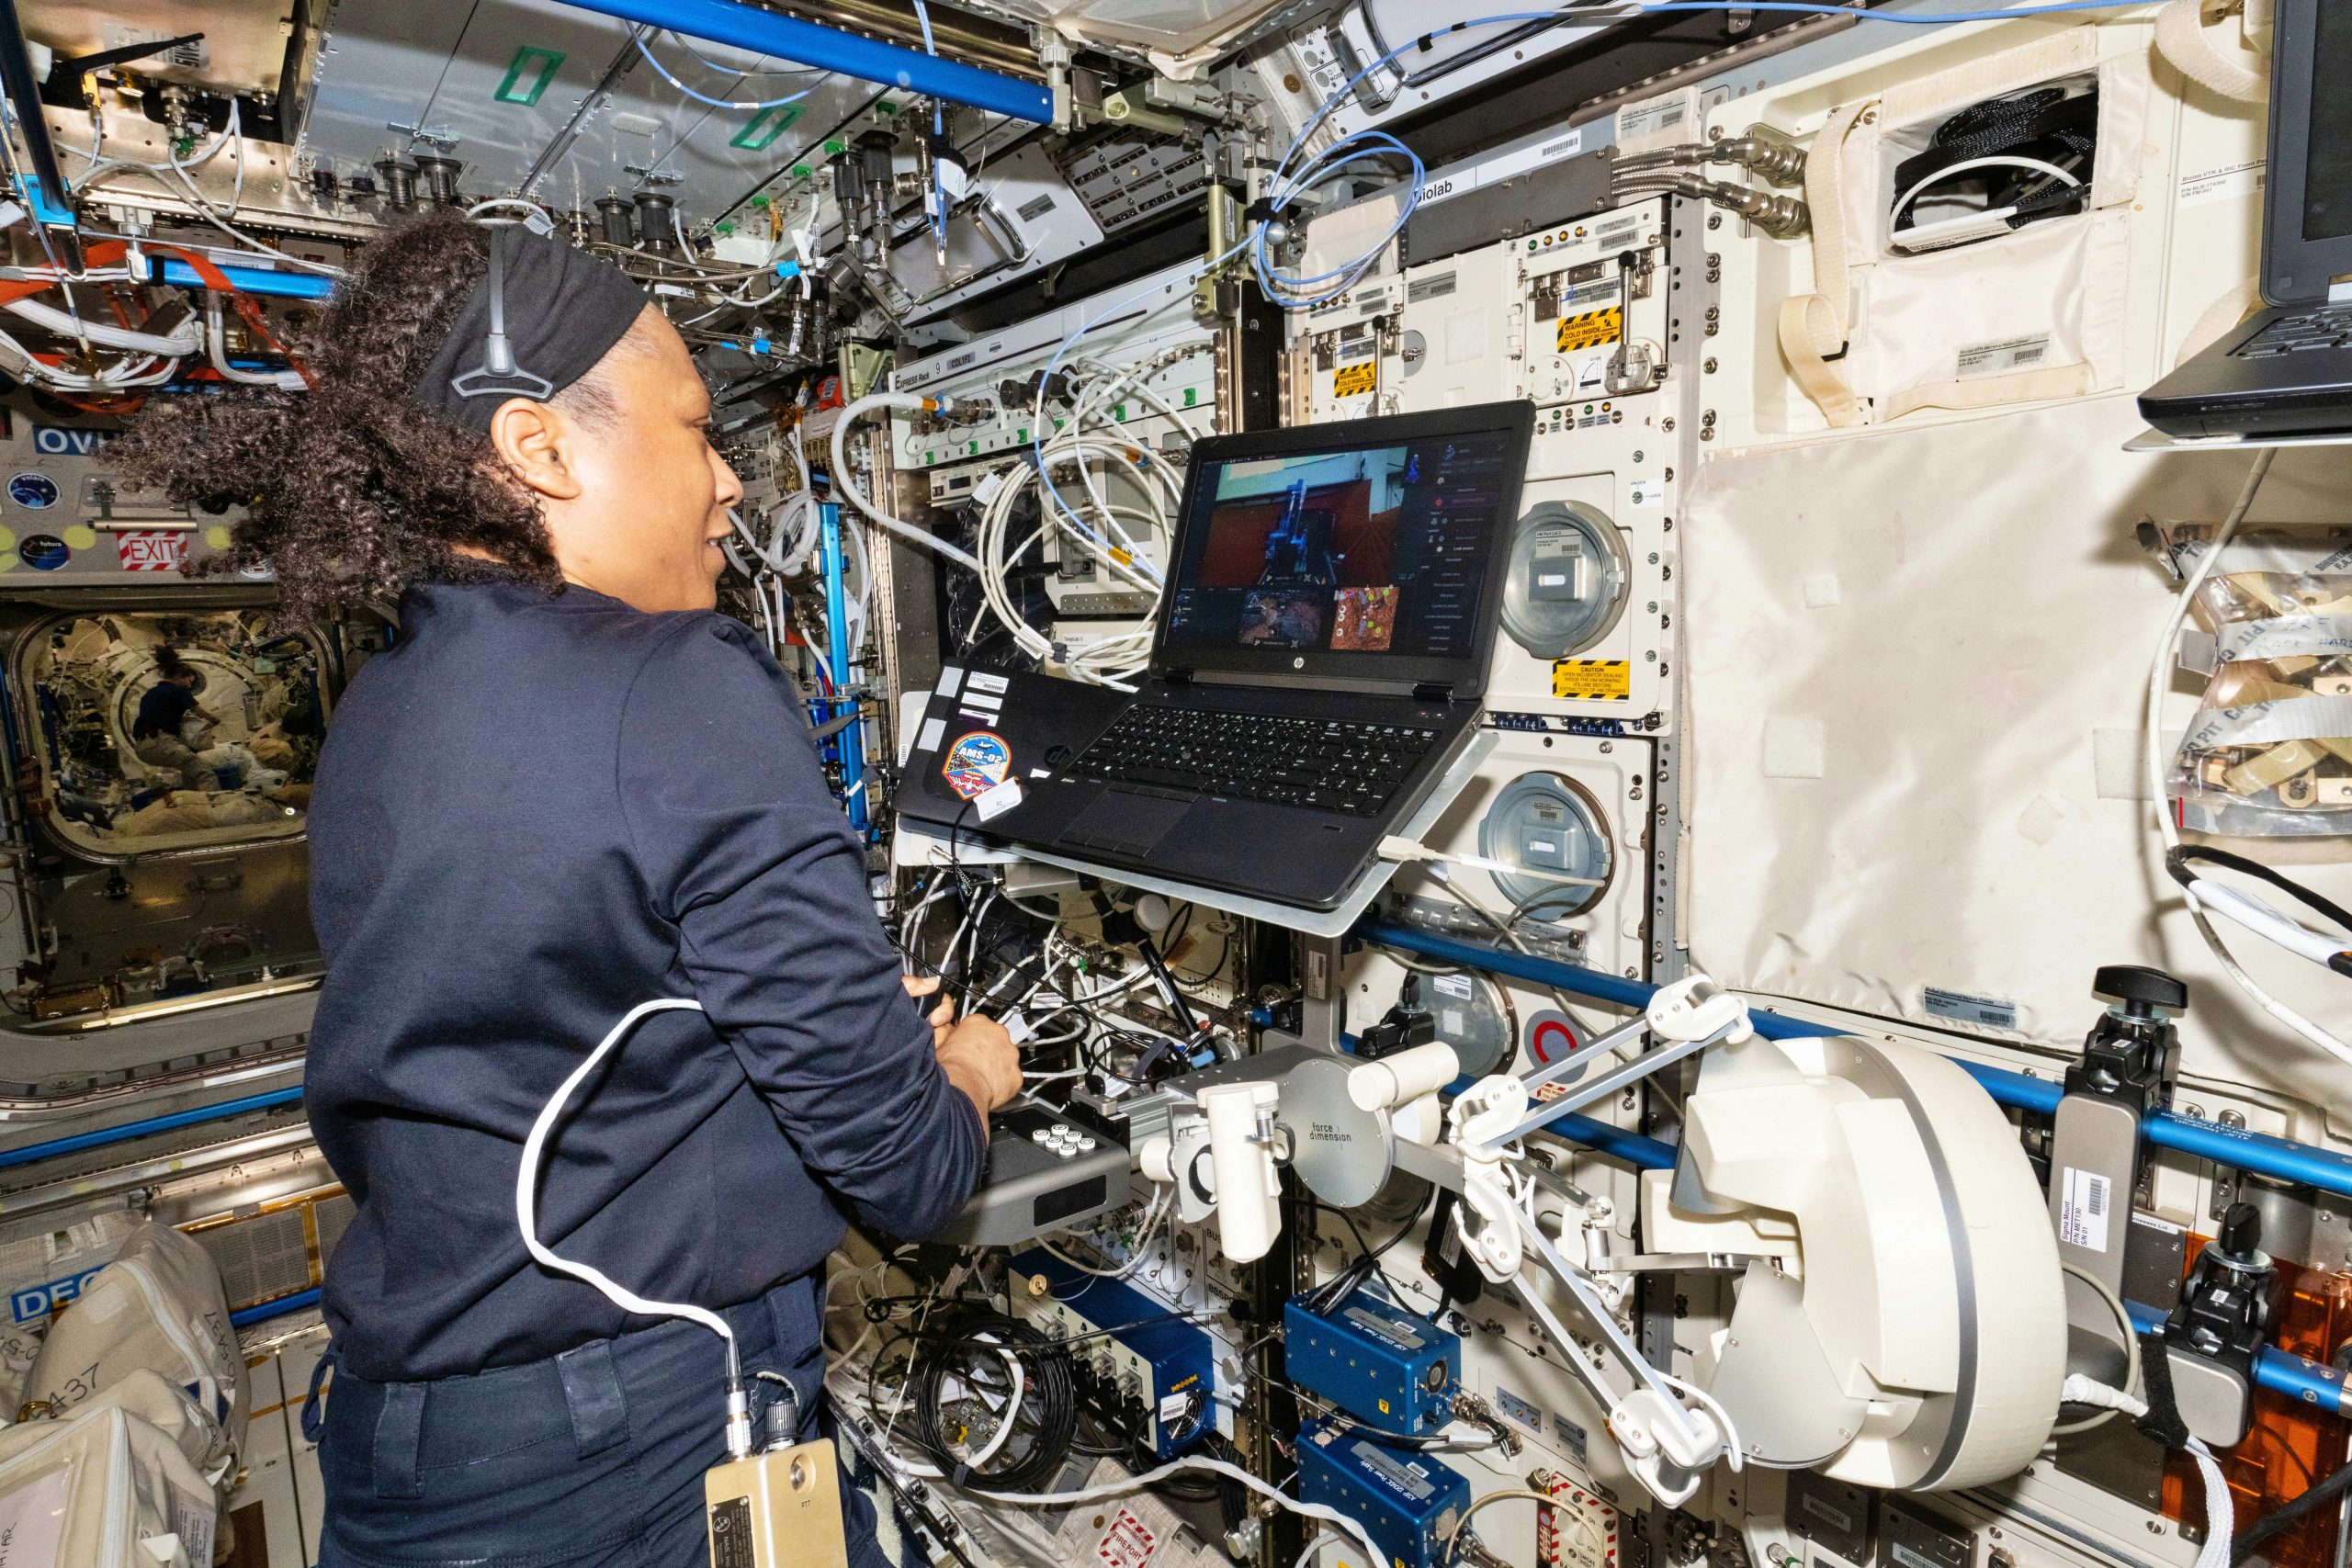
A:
107, 1487
159, 1305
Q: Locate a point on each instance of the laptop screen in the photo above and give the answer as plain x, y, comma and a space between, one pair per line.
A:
2327, 190
1356, 559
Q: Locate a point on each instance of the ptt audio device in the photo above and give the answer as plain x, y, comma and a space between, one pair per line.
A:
769, 1509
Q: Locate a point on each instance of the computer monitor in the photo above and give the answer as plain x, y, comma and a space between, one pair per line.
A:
2307, 214
1368, 553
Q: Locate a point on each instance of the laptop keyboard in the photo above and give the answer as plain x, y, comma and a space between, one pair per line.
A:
1328, 764
2326, 328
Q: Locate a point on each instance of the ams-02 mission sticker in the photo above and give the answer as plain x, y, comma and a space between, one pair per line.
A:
976, 764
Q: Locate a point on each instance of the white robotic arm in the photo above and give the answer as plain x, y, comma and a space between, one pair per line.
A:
1899, 1321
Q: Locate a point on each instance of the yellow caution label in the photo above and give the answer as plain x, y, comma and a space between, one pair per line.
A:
1592, 680
1591, 329
1351, 380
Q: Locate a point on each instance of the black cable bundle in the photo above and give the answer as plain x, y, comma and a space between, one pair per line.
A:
2045, 124
970, 1347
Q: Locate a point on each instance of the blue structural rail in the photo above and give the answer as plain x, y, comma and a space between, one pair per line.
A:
828, 49
2308, 1382
2257, 1151
247, 1317
30, 1154
244, 279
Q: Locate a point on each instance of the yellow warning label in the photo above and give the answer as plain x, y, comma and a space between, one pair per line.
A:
1349, 380
1590, 329
1592, 680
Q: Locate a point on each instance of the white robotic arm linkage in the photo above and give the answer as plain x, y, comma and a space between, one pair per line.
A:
1899, 1321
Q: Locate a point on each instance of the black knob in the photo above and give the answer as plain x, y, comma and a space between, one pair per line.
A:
2139, 989
2241, 1235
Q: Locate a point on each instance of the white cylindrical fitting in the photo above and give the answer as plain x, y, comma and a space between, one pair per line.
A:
1404, 1078
1249, 1215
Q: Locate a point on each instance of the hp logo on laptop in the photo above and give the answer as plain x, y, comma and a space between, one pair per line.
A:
1299, 663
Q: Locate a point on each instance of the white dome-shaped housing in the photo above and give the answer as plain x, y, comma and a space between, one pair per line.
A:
1903, 1324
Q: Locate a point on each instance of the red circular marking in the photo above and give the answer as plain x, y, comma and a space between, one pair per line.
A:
1552, 1039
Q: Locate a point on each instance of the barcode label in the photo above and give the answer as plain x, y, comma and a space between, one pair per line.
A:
2083, 1205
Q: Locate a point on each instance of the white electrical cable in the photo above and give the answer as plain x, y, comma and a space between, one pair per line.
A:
216, 349
1161, 1203
526, 1182
1011, 1407
2259, 918
845, 486
1733, 1454
2220, 1511
186, 339
1189, 1462
1970, 165
2130, 1333
2160, 666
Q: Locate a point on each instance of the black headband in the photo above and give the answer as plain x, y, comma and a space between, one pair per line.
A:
561, 311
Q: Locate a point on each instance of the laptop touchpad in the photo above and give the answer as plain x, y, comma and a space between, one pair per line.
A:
1122, 823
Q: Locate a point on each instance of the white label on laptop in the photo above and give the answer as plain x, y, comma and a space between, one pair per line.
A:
984, 681
1041, 772
935, 730
2231, 182
975, 698
985, 720
993, 804
951, 679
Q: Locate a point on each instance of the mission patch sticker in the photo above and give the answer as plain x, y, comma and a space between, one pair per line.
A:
976, 764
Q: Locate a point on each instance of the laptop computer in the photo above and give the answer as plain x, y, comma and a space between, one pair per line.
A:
1316, 664
2289, 371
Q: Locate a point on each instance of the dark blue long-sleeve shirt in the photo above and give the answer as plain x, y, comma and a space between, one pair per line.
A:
531, 815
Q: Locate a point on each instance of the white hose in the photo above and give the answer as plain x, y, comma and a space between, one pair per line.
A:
146, 371
186, 338
216, 347
845, 486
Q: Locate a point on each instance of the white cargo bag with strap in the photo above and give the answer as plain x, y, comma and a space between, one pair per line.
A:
159, 1305
104, 1488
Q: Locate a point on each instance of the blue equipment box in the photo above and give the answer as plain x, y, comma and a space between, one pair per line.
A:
1408, 1502
1379, 1363
1160, 1375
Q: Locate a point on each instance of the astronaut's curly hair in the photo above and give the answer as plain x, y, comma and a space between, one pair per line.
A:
351, 490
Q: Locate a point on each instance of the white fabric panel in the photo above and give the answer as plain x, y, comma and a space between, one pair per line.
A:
1931, 329
1964, 692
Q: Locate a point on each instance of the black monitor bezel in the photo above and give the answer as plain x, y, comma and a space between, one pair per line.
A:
1462, 677
2296, 270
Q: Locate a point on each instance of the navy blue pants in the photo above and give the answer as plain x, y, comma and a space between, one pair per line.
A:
592, 1459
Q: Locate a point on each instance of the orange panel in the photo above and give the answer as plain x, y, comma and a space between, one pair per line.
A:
2291, 1444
